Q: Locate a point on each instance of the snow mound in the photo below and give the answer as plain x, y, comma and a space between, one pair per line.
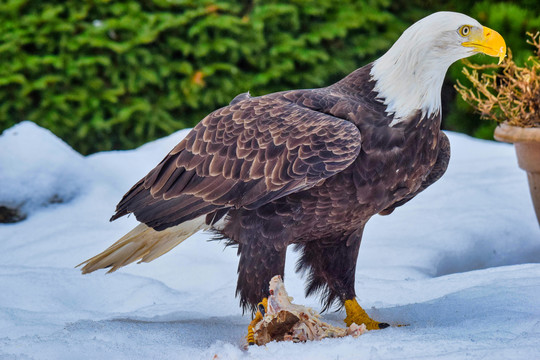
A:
38, 169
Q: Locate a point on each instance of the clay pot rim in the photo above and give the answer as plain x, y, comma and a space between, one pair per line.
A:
515, 134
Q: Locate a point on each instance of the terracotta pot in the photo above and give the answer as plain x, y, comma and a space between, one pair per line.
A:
527, 144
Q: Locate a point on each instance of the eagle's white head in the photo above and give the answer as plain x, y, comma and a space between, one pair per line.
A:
410, 75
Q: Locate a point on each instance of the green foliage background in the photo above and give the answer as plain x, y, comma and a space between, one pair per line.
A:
114, 74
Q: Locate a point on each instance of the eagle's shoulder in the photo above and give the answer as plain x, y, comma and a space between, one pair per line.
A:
240, 97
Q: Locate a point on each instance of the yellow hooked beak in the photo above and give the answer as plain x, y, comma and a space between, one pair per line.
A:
488, 42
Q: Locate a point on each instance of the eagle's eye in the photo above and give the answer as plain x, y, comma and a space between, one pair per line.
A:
464, 30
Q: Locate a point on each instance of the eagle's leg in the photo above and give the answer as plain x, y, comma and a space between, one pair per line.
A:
263, 306
355, 314
331, 265
259, 262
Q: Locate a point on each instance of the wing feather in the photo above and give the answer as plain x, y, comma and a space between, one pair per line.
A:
243, 155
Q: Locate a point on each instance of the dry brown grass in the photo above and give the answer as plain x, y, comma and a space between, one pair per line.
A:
506, 92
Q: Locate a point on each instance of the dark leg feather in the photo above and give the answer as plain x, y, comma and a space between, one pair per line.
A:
259, 262
262, 237
331, 267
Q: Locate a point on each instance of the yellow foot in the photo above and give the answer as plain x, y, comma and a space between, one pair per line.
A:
263, 305
355, 314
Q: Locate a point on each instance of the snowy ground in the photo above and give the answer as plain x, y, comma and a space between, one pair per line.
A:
459, 264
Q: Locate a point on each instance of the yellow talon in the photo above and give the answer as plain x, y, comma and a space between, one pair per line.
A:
258, 317
355, 314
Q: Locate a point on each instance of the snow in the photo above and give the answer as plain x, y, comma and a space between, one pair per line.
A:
458, 265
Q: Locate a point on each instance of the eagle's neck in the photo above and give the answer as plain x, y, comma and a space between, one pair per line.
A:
409, 78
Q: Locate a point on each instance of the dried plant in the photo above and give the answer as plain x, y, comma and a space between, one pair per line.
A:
506, 92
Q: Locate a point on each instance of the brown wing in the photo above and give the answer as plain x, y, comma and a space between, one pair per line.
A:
243, 155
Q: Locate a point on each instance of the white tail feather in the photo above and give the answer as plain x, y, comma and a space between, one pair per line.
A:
144, 244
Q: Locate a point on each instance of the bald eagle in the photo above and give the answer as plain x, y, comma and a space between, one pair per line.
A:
306, 167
